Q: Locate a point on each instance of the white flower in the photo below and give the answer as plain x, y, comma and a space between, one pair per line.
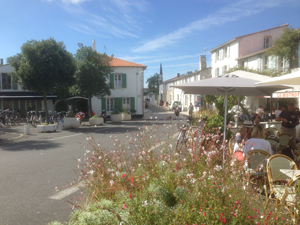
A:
170, 146
91, 172
111, 182
79, 160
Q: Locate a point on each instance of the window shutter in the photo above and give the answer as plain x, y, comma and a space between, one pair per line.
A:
103, 103
124, 81
118, 104
111, 81
132, 104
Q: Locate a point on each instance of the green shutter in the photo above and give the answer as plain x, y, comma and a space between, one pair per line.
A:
103, 103
132, 104
111, 81
124, 82
118, 104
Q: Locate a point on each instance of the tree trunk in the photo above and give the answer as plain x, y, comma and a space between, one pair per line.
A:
244, 110
46, 106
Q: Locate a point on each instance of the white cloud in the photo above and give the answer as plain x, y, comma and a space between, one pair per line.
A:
233, 12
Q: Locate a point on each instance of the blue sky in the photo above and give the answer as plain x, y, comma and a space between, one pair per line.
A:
172, 32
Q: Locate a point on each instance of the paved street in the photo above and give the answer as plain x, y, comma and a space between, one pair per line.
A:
33, 165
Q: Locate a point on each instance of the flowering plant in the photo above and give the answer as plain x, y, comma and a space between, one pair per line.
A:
144, 181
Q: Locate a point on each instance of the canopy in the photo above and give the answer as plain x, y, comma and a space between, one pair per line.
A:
289, 79
228, 84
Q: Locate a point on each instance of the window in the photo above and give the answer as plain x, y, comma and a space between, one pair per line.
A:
109, 104
118, 80
6, 81
267, 42
217, 72
225, 52
266, 62
224, 69
126, 104
217, 56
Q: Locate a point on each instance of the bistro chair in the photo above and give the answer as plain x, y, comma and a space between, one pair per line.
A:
257, 161
278, 180
274, 145
284, 140
289, 196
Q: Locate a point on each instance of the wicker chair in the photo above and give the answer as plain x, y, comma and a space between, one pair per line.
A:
272, 131
289, 196
274, 145
257, 161
284, 140
278, 180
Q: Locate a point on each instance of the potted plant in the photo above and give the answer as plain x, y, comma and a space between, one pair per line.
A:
70, 121
116, 116
126, 115
45, 127
96, 120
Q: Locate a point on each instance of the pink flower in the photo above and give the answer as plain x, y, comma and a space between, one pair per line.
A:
129, 196
237, 202
124, 175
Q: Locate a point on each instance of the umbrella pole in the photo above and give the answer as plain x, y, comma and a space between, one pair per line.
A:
225, 123
238, 114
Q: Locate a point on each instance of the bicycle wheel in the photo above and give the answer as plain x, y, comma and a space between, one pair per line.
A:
181, 140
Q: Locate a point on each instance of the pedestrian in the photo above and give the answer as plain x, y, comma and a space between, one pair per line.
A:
290, 119
191, 109
177, 111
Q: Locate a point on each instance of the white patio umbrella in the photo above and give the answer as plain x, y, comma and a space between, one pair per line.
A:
228, 84
289, 79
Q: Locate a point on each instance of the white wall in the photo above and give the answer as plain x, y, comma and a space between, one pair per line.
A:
135, 80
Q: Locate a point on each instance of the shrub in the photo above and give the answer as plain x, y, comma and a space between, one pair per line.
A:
115, 111
95, 117
70, 114
125, 111
136, 183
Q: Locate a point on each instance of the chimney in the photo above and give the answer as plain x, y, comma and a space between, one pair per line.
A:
1, 62
94, 45
202, 62
178, 74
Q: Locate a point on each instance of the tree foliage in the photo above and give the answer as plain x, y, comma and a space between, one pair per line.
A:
153, 83
93, 70
43, 66
286, 47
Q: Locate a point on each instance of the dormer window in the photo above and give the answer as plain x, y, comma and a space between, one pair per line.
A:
267, 42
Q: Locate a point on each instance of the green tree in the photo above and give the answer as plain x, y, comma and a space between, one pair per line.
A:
153, 83
43, 66
93, 70
286, 47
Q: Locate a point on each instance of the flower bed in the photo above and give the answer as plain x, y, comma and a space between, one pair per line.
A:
161, 186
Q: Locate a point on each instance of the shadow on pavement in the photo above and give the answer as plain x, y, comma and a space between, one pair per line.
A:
31, 146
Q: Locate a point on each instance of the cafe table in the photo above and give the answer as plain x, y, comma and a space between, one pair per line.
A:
290, 173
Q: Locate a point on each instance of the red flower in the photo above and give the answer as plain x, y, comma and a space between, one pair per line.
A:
149, 211
204, 214
124, 175
249, 217
214, 183
129, 196
224, 220
237, 202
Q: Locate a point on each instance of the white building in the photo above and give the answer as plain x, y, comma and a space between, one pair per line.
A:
247, 51
126, 83
174, 94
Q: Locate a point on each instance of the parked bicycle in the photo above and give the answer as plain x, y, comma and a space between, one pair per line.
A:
188, 133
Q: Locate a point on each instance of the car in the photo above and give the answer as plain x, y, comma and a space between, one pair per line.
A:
175, 104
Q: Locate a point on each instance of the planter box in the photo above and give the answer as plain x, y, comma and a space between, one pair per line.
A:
126, 117
46, 128
96, 121
116, 118
71, 122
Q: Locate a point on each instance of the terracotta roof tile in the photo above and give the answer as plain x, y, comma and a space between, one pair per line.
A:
120, 62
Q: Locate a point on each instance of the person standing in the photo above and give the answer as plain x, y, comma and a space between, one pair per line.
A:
191, 109
177, 111
260, 112
290, 119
